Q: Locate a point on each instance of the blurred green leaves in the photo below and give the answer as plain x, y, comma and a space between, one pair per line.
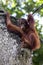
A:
14, 7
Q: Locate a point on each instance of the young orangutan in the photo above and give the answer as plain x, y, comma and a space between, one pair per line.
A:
27, 30
31, 33
14, 28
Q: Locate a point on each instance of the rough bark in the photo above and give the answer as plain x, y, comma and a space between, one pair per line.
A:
11, 52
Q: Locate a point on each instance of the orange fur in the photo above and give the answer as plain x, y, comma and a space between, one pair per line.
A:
29, 35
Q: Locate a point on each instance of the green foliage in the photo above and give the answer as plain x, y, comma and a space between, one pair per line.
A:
15, 7
38, 56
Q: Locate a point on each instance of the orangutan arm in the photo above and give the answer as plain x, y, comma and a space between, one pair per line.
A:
14, 28
11, 26
35, 42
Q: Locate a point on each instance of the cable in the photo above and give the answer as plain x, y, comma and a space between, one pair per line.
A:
41, 6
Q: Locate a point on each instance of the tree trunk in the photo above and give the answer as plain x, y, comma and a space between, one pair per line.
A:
11, 52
